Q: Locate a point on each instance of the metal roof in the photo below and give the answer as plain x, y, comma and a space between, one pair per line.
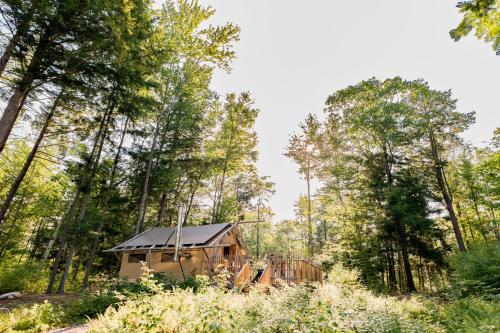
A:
161, 238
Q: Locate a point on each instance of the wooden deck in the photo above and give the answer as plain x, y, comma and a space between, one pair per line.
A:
291, 269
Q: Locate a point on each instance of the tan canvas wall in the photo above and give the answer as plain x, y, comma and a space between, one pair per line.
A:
130, 270
190, 266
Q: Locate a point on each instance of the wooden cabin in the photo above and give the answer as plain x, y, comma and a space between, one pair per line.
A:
206, 250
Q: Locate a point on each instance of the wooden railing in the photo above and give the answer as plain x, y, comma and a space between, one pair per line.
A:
215, 264
244, 276
290, 269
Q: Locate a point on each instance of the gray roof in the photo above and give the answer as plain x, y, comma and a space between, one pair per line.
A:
162, 238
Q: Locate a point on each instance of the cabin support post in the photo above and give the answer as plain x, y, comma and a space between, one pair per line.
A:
182, 270
209, 261
149, 259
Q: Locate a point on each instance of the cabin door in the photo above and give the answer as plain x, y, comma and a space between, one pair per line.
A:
229, 251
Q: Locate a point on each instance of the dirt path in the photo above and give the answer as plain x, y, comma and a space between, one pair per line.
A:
74, 329
28, 300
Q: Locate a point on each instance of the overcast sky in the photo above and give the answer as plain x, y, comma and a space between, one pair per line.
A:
293, 54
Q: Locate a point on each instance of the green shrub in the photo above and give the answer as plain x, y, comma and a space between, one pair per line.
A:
114, 292
89, 306
323, 308
471, 315
29, 278
37, 318
477, 272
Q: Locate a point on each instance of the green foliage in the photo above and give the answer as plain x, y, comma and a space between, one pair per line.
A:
482, 16
344, 306
111, 293
37, 318
468, 315
398, 183
339, 305
477, 272
25, 278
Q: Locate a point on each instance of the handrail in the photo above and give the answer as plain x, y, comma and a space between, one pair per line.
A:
290, 269
243, 276
266, 276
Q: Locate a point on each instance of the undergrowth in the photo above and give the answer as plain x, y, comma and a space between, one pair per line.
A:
158, 303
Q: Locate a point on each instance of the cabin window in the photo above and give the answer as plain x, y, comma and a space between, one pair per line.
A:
226, 250
136, 257
166, 257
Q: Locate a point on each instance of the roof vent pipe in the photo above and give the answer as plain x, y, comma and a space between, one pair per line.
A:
179, 232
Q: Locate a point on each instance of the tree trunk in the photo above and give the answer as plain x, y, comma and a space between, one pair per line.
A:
85, 202
400, 272
220, 192
76, 267
387, 165
72, 208
17, 182
309, 213
51, 242
16, 101
227, 155
325, 231
438, 168
161, 210
10, 114
32, 238
410, 284
429, 275
191, 199
21, 29
67, 265
474, 199
391, 268
401, 236
36, 242
390, 180
6, 235
8, 51
90, 261
62, 243
142, 205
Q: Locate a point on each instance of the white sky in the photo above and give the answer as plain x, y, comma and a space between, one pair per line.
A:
293, 54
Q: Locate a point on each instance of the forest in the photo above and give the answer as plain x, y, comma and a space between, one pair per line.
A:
110, 123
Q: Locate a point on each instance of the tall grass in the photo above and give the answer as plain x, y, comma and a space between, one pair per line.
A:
159, 304
315, 308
